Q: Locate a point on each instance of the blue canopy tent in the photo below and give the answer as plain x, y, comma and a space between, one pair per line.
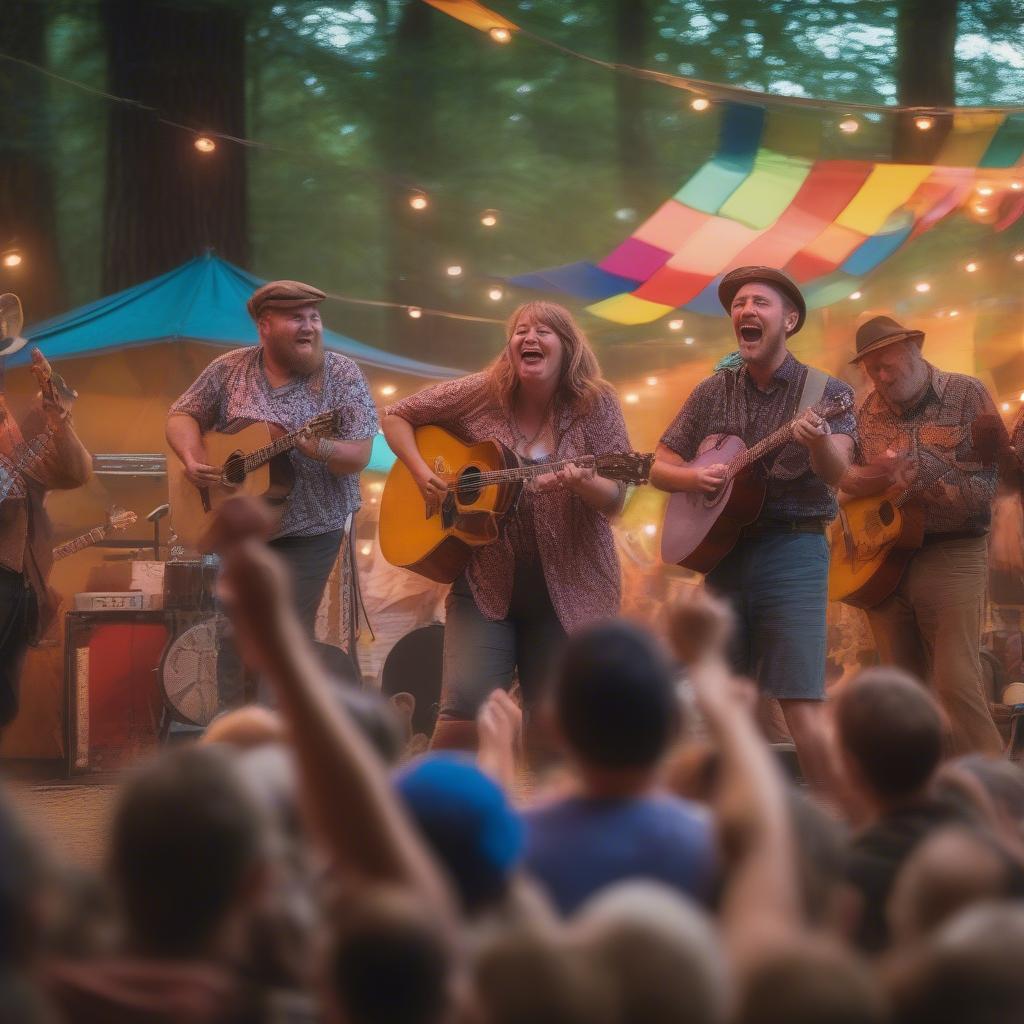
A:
203, 300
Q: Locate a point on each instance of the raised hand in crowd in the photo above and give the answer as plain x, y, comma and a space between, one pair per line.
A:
500, 726
347, 793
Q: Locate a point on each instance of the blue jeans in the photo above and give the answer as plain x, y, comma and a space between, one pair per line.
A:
777, 584
481, 655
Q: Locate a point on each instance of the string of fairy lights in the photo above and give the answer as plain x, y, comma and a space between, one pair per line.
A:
703, 97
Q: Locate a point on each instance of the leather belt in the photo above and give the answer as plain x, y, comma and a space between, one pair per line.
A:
804, 524
938, 538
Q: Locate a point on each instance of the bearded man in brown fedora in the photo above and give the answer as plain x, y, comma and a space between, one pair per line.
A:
915, 431
776, 577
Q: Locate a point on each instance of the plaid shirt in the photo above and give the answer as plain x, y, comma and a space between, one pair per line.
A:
574, 540
956, 490
729, 402
233, 392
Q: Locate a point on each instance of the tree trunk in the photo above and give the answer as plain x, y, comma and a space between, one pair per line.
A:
407, 142
27, 207
925, 44
635, 150
165, 201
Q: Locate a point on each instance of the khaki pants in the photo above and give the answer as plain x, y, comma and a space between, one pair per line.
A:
931, 626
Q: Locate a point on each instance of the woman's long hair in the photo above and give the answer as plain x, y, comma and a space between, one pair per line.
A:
580, 384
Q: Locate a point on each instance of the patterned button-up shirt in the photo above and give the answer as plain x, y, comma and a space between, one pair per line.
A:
574, 540
233, 392
1017, 437
729, 402
953, 488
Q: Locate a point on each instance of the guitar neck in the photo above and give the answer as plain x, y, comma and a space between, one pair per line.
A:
261, 456
767, 444
517, 473
94, 536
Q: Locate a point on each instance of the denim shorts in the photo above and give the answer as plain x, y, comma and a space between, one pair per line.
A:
482, 654
777, 584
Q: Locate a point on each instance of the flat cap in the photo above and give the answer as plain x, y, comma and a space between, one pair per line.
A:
283, 295
736, 279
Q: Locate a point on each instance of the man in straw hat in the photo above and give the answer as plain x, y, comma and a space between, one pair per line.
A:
916, 432
40, 453
776, 577
286, 380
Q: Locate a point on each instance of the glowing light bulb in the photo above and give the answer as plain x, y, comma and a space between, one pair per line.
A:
981, 209
971, 267
1016, 185
489, 218
419, 201
954, 313
388, 390
376, 487
495, 294
365, 549
204, 144
12, 259
855, 296
700, 104
1005, 406
632, 398
650, 529
652, 382
454, 270
923, 124
985, 190
688, 341
1018, 257
849, 125
415, 312
922, 287
1021, 398
500, 35
675, 325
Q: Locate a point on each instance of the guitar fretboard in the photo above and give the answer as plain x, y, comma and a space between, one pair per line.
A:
94, 536
254, 459
498, 476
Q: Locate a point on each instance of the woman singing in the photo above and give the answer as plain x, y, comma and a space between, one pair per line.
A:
553, 568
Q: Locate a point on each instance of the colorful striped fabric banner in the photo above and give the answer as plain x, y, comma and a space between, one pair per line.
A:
768, 197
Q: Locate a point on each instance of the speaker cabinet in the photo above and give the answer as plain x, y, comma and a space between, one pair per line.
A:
113, 698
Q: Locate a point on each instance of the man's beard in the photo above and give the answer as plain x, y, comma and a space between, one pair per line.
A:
303, 364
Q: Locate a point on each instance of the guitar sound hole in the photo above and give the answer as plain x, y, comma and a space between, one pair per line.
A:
234, 469
886, 513
469, 488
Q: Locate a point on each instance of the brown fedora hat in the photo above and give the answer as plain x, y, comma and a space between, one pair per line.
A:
736, 279
283, 295
880, 331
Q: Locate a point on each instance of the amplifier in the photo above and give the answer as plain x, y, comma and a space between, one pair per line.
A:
113, 700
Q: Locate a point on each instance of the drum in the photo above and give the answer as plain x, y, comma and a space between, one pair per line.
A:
188, 585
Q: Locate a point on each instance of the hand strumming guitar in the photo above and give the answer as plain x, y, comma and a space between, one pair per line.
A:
200, 473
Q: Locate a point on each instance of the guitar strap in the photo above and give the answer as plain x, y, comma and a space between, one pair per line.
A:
813, 388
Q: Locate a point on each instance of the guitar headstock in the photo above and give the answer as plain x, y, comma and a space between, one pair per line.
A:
629, 467
326, 424
834, 407
120, 519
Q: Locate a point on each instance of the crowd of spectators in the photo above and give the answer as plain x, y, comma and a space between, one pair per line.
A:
656, 864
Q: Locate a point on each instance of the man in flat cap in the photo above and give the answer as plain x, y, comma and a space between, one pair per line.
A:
286, 380
776, 577
919, 431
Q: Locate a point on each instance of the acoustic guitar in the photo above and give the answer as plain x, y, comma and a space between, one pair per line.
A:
117, 519
251, 463
484, 481
872, 541
701, 529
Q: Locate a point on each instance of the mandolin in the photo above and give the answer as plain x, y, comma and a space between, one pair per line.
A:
701, 529
250, 462
484, 480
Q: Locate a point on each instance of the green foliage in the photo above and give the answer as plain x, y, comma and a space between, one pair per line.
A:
352, 110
